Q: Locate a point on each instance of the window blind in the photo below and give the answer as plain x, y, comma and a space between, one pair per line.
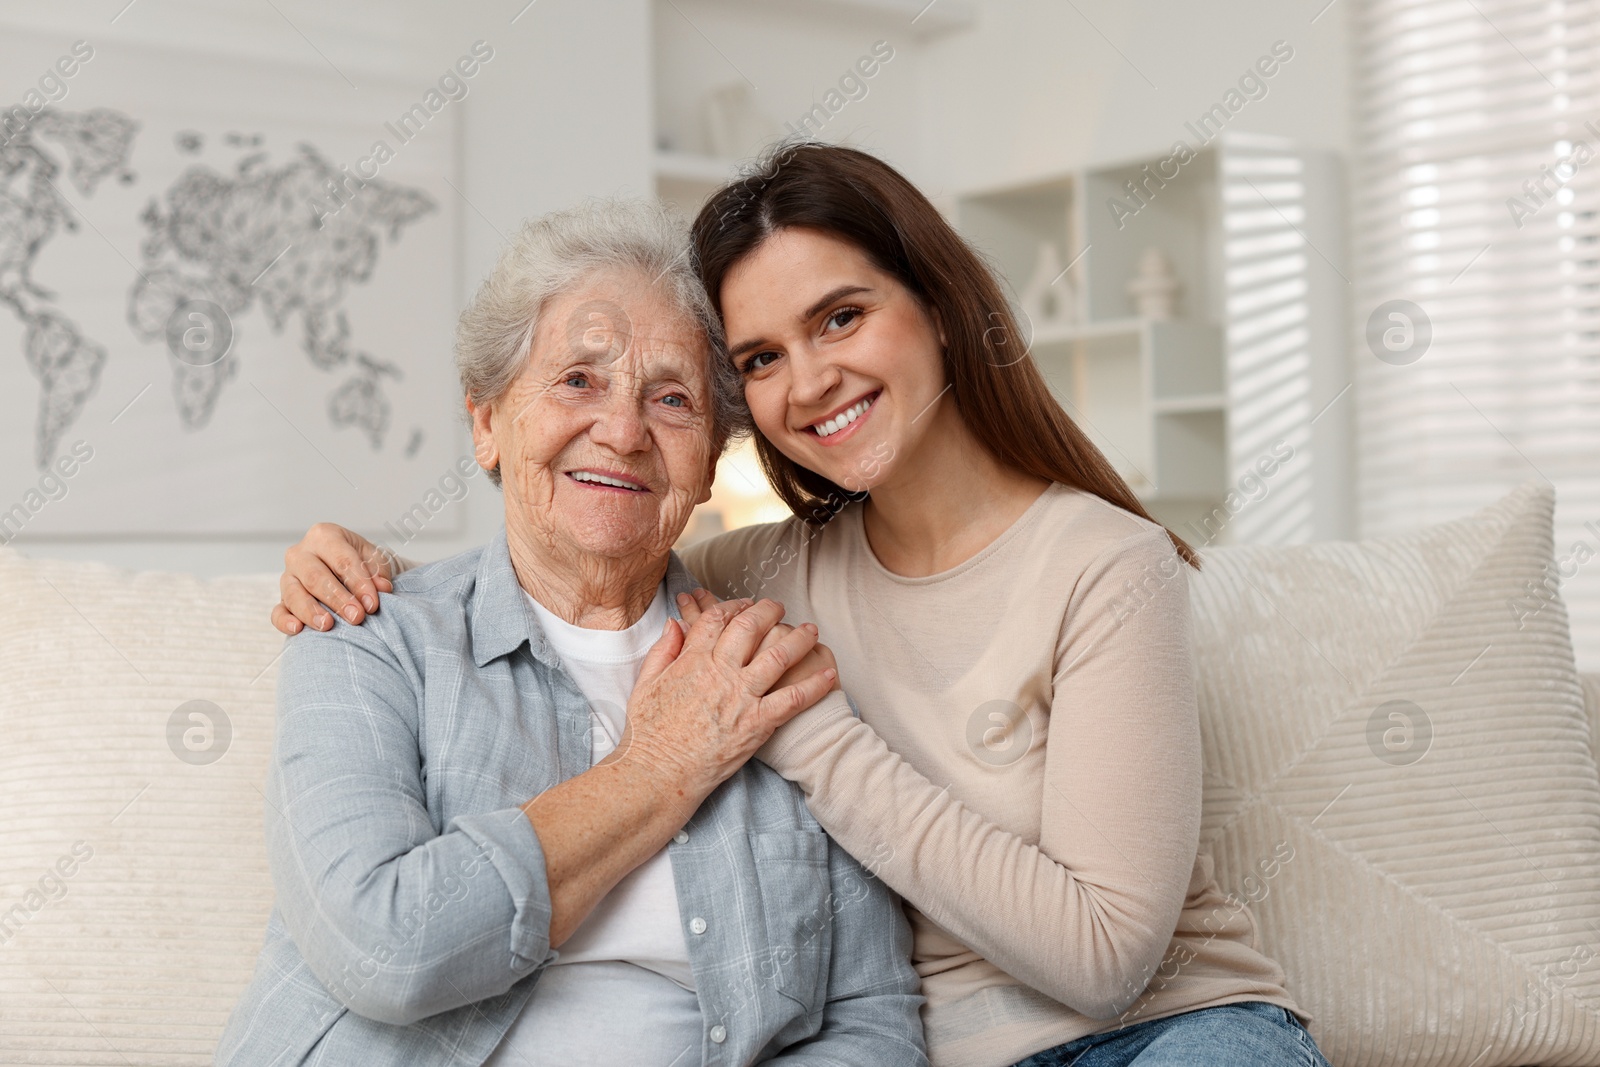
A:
1476, 243
1265, 265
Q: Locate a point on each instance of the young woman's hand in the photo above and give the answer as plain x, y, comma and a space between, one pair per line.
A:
820, 657
330, 569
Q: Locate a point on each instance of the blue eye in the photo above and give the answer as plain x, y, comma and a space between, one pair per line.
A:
674, 399
578, 381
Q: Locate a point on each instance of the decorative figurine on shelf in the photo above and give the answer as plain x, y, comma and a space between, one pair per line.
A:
1155, 288
1047, 300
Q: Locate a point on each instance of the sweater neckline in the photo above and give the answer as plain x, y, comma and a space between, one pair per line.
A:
857, 531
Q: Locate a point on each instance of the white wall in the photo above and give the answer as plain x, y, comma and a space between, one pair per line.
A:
566, 110
561, 112
1038, 86
566, 115
789, 60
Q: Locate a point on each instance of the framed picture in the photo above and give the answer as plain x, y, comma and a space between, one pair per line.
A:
227, 295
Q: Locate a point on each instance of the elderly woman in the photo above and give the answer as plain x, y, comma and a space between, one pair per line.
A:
513, 819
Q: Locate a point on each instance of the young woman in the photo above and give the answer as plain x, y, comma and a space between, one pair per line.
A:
1010, 622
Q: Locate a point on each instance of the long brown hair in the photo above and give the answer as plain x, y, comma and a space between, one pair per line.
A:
998, 390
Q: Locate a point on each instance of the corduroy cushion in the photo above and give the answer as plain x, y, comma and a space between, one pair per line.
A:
134, 889
1399, 777
1591, 699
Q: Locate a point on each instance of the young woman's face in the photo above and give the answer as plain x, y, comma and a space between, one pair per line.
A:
840, 361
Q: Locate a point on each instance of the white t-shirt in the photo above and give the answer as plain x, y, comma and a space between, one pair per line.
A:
629, 959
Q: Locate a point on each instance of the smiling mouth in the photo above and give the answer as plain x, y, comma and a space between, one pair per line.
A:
605, 481
831, 426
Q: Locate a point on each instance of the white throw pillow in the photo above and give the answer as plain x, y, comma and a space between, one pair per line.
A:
134, 890
1400, 719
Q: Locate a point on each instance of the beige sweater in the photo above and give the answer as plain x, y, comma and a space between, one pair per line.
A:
1025, 771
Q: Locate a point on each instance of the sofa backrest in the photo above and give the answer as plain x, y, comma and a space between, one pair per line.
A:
137, 715
144, 943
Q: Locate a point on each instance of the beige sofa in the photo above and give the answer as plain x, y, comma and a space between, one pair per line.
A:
1443, 872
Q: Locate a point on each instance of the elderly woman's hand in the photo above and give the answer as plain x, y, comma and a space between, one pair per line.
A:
692, 605
708, 698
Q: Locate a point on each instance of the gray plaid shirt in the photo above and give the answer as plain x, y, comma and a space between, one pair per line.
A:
412, 915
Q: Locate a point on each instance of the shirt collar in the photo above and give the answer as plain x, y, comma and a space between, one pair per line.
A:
502, 619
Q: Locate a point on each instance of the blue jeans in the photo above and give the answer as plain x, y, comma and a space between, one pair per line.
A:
1251, 1034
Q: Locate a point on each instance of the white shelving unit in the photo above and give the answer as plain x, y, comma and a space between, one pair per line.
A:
686, 179
922, 18
1150, 393
702, 48
1186, 407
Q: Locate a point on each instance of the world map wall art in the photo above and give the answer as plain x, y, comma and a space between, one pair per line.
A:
244, 325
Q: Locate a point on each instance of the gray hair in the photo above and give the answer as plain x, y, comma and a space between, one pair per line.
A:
553, 254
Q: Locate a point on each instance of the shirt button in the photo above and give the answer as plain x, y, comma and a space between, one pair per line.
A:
697, 925
719, 1034
681, 837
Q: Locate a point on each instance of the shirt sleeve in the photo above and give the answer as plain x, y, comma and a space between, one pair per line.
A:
1085, 915
399, 919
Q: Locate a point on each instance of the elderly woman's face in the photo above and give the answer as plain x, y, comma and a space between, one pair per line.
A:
604, 440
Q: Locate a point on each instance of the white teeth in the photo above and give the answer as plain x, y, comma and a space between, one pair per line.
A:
600, 479
843, 419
